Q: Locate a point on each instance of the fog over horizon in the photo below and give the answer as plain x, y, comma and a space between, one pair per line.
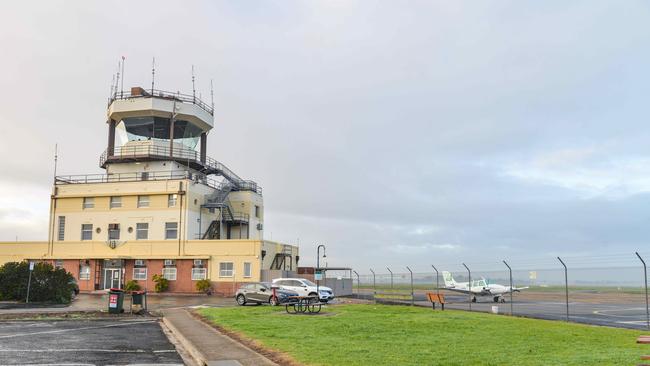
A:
395, 133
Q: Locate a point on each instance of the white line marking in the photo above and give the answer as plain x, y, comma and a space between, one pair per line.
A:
75, 329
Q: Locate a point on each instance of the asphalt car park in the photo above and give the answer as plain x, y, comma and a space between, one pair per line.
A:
86, 342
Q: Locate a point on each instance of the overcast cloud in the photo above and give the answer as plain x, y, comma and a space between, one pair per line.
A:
396, 133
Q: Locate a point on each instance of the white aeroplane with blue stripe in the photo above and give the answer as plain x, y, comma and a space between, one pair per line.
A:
479, 287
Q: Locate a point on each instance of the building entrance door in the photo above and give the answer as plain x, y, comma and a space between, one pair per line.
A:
112, 278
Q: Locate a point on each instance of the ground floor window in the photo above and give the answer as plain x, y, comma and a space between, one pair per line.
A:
58, 263
247, 269
199, 274
169, 273
226, 269
84, 272
140, 274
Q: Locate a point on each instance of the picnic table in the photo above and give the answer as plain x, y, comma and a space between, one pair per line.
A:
303, 304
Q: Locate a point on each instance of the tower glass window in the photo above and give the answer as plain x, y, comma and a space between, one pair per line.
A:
61, 228
157, 129
171, 200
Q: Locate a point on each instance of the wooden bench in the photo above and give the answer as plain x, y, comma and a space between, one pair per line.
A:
644, 339
436, 298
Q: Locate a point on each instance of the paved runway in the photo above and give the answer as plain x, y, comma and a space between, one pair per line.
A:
628, 312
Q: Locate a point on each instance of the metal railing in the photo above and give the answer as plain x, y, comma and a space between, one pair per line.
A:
155, 93
183, 156
135, 177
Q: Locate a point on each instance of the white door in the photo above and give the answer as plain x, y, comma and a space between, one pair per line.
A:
112, 278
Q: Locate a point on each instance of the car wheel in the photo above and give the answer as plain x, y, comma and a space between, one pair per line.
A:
273, 301
241, 300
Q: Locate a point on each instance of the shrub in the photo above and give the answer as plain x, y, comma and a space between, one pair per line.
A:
48, 284
203, 286
162, 284
132, 285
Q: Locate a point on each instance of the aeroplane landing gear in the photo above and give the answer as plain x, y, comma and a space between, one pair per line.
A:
473, 298
500, 299
496, 298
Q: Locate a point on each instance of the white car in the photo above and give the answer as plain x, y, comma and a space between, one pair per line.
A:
305, 288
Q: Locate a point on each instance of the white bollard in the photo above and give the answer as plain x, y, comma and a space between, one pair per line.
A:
495, 310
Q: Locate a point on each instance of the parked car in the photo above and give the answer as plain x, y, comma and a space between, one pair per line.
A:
262, 292
305, 288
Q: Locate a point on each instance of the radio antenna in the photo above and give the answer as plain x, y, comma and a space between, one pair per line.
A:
56, 158
212, 95
110, 94
122, 85
193, 86
117, 80
153, 74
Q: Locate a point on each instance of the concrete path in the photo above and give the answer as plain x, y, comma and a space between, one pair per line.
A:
208, 346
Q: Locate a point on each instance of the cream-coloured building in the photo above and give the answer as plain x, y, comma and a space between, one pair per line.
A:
162, 207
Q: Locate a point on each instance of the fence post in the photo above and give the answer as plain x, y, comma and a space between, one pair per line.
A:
469, 287
566, 287
358, 283
374, 283
510, 270
437, 283
391, 277
412, 293
645, 280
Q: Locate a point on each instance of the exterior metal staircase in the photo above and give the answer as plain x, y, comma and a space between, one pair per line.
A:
280, 260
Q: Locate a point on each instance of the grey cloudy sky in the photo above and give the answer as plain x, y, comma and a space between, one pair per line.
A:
396, 133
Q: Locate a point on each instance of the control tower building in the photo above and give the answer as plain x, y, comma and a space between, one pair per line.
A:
162, 207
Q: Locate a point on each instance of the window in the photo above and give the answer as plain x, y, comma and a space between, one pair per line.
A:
84, 272
257, 211
142, 231
199, 274
171, 200
226, 269
247, 269
140, 274
116, 202
198, 263
61, 228
169, 273
171, 230
86, 231
113, 231
143, 201
58, 263
139, 262
170, 262
89, 202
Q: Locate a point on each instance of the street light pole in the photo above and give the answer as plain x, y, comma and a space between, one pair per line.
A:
469, 287
391, 277
437, 283
318, 268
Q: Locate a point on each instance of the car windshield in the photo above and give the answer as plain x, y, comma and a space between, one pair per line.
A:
308, 283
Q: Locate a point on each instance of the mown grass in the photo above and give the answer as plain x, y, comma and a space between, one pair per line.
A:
403, 335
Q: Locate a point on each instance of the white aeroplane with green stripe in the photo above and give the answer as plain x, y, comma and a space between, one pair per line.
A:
479, 287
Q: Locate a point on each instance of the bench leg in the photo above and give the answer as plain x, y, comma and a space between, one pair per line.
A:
442, 306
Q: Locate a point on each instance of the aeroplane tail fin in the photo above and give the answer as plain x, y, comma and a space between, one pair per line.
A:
449, 279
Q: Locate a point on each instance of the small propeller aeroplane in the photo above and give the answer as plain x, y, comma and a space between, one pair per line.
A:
479, 288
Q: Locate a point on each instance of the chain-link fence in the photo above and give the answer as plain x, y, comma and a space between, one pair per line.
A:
602, 290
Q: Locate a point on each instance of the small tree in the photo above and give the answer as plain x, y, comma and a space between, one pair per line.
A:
162, 284
203, 286
132, 285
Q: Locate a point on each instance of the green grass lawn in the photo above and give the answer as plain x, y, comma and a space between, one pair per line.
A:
404, 335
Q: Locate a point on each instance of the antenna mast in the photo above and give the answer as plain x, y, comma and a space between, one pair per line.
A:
212, 95
56, 158
122, 85
110, 94
117, 81
153, 74
193, 87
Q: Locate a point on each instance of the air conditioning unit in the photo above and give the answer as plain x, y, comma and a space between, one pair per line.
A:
198, 262
139, 262
260, 227
170, 262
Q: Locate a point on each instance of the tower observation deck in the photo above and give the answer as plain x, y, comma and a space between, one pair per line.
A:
159, 126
